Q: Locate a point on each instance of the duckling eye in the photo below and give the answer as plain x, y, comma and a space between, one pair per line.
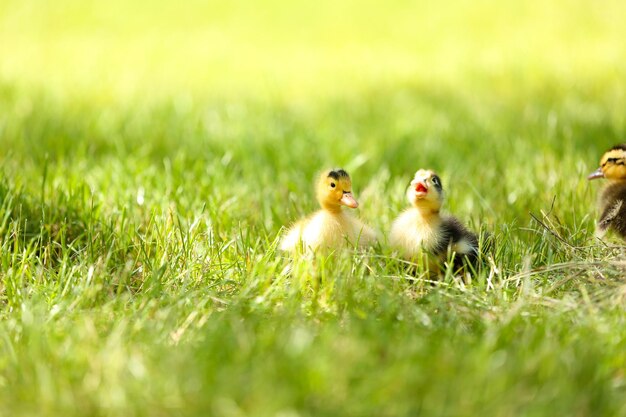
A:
332, 185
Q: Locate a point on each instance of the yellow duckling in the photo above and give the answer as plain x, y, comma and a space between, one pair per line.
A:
612, 202
421, 231
331, 227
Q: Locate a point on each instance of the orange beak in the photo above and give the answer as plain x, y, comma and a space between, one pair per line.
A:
349, 200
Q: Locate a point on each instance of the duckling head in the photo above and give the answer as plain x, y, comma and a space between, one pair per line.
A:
334, 189
612, 164
425, 191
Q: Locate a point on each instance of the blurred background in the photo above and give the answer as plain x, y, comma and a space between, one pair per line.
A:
294, 49
523, 95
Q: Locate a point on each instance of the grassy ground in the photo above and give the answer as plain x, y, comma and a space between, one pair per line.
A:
151, 154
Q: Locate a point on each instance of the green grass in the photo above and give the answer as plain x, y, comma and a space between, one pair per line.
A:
152, 153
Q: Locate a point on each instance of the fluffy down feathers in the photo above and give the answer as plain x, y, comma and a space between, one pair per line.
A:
422, 232
331, 227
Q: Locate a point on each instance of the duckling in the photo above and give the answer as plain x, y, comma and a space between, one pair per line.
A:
331, 227
421, 231
612, 202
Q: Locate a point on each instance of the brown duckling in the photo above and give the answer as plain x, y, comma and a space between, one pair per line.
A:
331, 227
421, 231
612, 202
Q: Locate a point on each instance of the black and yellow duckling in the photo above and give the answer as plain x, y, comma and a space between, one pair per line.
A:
331, 227
612, 202
422, 233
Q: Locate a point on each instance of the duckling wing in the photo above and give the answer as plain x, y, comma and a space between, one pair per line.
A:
610, 214
613, 210
459, 238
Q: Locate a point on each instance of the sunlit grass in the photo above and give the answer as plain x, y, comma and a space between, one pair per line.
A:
152, 152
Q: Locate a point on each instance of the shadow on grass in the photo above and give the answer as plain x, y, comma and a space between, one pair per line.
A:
28, 222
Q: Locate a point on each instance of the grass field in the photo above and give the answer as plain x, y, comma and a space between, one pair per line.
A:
152, 152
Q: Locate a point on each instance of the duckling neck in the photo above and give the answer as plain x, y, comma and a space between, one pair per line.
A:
427, 210
428, 215
612, 190
331, 208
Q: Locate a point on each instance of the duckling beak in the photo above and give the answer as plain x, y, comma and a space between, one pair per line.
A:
421, 189
349, 200
596, 174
